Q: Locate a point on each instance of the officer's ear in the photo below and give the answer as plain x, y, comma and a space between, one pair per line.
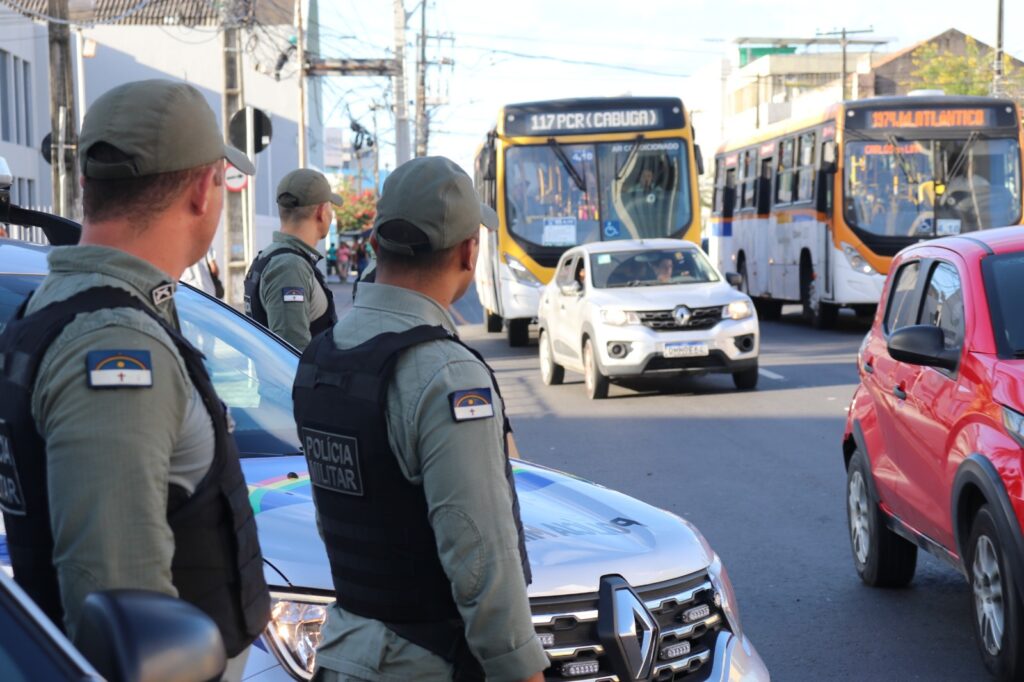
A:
205, 183
467, 250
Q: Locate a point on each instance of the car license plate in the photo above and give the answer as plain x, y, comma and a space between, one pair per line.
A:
685, 349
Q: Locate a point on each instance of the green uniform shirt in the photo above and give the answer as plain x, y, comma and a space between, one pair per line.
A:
461, 467
112, 452
290, 314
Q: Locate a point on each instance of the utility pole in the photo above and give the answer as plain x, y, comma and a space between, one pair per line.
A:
997, 70
235, 246
844, 42
376, 152
301, 54
421, 85
63, 121
401, 106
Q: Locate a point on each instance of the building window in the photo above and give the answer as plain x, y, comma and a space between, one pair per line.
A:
27, 75
5, 97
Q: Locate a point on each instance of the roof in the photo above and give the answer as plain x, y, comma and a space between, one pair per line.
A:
635, 245
158, 12
999, 240
22, 258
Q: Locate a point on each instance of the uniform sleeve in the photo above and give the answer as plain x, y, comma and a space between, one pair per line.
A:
286, 289
470, 505
108, 457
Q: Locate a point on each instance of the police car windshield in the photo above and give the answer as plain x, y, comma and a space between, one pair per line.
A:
251, 370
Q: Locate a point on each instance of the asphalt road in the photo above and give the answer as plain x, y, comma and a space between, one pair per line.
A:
761, 475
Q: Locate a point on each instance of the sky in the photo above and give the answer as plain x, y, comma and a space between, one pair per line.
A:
596, 48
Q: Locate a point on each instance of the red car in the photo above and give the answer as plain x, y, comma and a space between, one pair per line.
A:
934, 442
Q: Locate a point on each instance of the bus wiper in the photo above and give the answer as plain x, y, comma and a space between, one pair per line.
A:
894, 142
961, 158
629, 159
577, 179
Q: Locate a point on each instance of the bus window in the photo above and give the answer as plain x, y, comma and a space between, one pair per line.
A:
805, 174
749, 179
784, 184
719, 186
764, 187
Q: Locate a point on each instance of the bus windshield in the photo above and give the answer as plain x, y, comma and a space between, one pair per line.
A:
931, 188
625, 194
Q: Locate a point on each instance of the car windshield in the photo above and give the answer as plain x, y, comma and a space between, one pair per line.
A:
931, 188
650, 268
618, 192
1004, 283
251, 370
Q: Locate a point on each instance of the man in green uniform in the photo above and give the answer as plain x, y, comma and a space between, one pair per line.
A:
405, 435
284, 290
129, 476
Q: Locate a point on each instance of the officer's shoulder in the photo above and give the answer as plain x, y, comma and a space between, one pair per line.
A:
287, 260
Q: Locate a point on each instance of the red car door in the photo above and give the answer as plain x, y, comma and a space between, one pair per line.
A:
936, 400
880, 378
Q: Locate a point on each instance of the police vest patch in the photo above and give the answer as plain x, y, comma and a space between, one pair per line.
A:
474, 403
293, 294
12, 500
162, 294
116, 368
333, 461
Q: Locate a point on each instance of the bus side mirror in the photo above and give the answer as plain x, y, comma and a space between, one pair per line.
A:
490, 169
828, 157
699, 158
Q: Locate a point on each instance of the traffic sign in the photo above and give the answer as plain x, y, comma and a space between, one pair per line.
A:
262, 130
234, 179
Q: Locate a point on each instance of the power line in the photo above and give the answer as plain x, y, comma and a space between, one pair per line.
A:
576, 62
67, 22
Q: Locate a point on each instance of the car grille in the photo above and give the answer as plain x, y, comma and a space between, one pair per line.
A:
664, 320
570, 625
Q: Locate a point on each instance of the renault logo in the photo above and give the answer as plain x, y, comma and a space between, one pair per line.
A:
627, 630
681, 315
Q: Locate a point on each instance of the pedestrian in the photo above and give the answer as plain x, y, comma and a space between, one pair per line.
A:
332, 260
204, 275
284, 290
344, 251
362, 257
126, 471
405, 435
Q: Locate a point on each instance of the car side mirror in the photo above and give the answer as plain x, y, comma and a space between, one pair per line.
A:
734, 279
924, 345
140, 636
573, 288
699, 158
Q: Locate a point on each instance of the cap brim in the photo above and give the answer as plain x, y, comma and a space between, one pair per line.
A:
239, 160
488, 218
336, 199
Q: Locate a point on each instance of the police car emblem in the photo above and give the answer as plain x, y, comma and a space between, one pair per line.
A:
293, 294
474, 403
12, 499
116, 368
333, 461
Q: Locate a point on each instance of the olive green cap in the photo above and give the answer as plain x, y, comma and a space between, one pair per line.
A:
161, 125
305, 187
435, 195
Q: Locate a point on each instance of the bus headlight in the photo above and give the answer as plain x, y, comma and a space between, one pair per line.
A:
618, 317
521, 272
737, 310
294, 631
856, 260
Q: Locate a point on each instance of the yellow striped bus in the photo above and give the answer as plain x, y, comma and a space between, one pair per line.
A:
812, 211
565, 172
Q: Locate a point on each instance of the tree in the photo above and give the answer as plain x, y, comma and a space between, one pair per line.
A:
358, 208
970, 73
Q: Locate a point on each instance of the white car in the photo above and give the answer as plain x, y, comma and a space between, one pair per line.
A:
644, 307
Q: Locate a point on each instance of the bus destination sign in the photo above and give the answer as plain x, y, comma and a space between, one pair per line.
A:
930, 118
527, 120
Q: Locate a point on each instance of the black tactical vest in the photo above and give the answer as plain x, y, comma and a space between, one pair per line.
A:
254, 304
380, 544
217, 564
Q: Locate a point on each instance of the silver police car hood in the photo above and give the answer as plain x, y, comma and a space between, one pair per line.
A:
666, 296
576, 531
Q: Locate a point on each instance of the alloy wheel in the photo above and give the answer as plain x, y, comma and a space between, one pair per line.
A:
860, 530
987, 581
588, 367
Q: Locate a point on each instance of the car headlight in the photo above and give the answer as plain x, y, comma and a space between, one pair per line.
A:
521, 272
737, 310
1014, 423
856, 260
294, 630
619, 317
723, 589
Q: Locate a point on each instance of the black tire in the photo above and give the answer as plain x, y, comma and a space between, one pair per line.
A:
745, 380
882, 558
551, 373
493, 321
518, 332
994, 591
818, 313
595, 383
768, 309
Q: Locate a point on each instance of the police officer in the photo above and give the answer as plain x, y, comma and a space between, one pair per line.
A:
125, 473
284, 290
405, 436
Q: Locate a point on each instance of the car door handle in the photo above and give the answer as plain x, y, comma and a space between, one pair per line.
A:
899, 393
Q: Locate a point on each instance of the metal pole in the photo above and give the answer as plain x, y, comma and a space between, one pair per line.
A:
63, 121
376, 154
843, 43
421, 85
235, 263
301, 52
997, 71
250, 187
80, 74
401, 106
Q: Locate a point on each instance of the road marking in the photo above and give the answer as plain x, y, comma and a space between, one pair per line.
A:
768, 374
